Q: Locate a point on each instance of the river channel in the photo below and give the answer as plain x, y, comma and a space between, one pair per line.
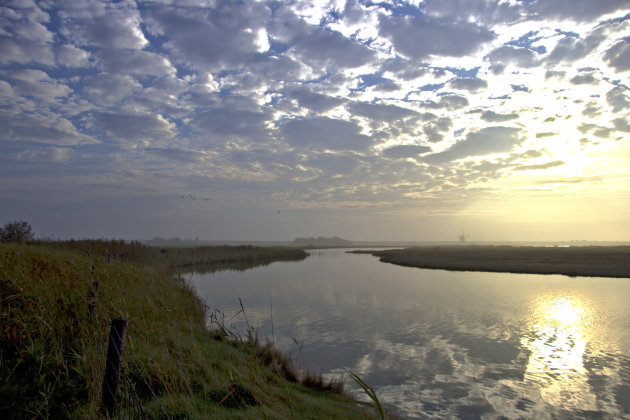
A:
437, 343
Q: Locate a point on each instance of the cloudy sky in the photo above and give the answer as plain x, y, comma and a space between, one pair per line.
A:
244, 120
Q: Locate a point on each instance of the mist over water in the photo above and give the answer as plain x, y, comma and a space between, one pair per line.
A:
443, 344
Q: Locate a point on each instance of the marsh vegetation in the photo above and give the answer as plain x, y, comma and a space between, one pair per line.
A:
58, 298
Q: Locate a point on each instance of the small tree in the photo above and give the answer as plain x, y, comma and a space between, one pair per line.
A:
18, 231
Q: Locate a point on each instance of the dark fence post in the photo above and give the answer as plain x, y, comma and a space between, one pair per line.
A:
112, 366
92, 295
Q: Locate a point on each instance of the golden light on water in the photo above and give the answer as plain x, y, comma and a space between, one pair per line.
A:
565, 311
558, 339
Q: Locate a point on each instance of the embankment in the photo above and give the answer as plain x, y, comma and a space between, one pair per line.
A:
56, 303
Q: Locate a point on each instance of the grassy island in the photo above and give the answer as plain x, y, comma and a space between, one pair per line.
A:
593, 261
57, 300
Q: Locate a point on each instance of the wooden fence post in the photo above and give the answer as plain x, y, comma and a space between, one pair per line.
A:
112, 366
92, 294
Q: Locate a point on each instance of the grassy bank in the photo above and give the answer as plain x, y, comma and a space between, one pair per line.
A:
57, 300
594, 261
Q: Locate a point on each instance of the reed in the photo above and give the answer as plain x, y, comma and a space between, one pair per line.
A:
53, 334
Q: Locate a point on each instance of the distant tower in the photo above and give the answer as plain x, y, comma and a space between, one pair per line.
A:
462, 238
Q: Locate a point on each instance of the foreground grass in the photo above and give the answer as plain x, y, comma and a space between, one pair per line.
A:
54, 323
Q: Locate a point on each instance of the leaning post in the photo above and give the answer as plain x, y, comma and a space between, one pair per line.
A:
112, 366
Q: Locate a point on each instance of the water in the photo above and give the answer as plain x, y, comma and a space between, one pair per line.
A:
441, 344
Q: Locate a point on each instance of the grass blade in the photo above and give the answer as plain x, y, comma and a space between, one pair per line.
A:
370, 393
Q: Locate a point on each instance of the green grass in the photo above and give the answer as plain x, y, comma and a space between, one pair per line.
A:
54, 330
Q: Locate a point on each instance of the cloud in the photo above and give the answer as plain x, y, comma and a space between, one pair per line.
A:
471, 84
67, 55
380, 112
571, 47
174, 154
618, 99
489, 140
22, 51
618, 56
435, 128
24, 38
322, 48
622, 124
517, 56
450, 102
106, 89
41, 129
130, 130
488, 12
492, 116
405, 151
421, 37
584, 79
48, 154
225, 122
134, 62
596, 130
108, 26
209, 38
314, 101
37, 84
324, 133
555, 74
579, 10
332, 164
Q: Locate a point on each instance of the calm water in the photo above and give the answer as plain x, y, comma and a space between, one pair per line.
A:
444, 344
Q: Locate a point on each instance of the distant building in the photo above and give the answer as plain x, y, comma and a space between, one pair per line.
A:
321, 241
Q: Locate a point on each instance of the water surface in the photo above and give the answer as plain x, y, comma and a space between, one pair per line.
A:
439, 343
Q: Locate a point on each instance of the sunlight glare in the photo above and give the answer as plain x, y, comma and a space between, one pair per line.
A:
559, 335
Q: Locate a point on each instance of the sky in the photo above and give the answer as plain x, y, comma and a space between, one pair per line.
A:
269, 120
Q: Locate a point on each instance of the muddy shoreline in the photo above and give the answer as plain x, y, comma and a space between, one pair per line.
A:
590, 261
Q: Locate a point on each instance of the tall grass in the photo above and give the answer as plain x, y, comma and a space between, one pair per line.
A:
53, 334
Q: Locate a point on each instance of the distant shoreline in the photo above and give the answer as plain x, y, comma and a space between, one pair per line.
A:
588, 261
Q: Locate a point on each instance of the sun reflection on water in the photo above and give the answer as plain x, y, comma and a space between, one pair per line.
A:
558, 339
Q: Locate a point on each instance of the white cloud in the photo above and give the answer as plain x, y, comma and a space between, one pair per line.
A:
486, 11
420, 38
405, 151
216, 38
68, 55
618, 99
580, 10
509, 55
380, 112
41, 129
131, 131
324, 133
618, 56
487, 141
315, 101
36, 83
331, 103
106, 89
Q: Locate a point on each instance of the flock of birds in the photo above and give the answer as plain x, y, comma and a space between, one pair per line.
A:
194, 198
